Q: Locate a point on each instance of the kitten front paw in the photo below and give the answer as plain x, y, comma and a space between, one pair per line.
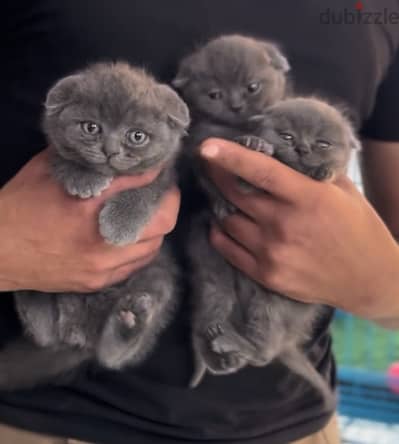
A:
117, 226
323, 174
256, 144
86, 186
222, 208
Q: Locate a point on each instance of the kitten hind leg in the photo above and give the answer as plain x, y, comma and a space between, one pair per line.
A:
264, 327
38, 313
146, 305
217, 344
123, 331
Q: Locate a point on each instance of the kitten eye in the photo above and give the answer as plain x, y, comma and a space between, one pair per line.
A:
253, 87
287, 136
138, 137
323, 144
91, 128
215, 94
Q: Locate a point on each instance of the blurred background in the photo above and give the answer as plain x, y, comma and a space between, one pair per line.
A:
368, 373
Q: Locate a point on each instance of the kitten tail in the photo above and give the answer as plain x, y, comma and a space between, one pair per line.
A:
24, 365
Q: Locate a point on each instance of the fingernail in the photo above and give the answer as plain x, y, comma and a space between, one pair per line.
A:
209, 151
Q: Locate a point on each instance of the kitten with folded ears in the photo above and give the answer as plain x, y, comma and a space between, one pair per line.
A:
105, 121
227, 83
237, 322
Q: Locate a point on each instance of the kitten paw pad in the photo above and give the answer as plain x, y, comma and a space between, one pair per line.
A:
128, 318
222, 345
86, 189
145, 301
231, 363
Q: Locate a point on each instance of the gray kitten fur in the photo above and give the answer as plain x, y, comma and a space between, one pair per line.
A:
105, 121
237, 322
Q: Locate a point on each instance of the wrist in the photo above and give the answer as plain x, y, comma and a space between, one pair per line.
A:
386, 297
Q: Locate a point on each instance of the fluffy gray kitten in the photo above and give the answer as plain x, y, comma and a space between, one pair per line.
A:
227, 84
237, 322
105, 121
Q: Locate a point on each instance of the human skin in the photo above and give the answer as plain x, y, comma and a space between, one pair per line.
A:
50, 240
312, 241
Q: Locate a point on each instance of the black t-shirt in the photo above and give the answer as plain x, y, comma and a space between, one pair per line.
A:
43, 40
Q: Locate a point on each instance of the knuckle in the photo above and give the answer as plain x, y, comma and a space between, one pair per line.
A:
278, 254
95, 264
270, 276
263, 179
94, 283
98, 263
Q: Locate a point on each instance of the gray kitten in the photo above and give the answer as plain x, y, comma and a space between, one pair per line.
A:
228, 83
105, 121
237, 322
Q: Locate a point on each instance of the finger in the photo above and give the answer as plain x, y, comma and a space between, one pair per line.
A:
346, 185
232, 252
164, 219
40, 164
116, 256
123, 183
262, 171
254, 204
127, 270
244, 231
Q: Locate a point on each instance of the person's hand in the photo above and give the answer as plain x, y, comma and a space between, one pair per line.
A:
312, 241
50, 240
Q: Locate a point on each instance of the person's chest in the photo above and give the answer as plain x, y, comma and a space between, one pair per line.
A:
45, 40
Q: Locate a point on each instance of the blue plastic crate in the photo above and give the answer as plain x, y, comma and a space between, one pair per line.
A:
364, 354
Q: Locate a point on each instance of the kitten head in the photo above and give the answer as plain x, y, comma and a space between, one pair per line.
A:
308, 133
233, 78
115, 119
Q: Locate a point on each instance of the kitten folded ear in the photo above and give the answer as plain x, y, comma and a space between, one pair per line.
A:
61, 93
183, 74
354, 142
175, 108
180, 81
277, 59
